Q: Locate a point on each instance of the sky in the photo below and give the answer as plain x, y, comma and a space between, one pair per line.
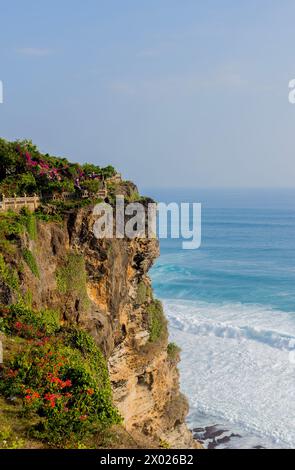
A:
173, 93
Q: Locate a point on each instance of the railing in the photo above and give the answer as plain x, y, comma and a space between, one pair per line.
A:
16, 203
33, 202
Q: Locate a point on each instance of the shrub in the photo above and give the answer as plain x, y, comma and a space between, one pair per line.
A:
173, 351
10, 229
31, 262
39, 214
68, 391
71, 277
12, 226
8, 274
24, 169
141, 293
28, 219
156, 320
92, 185
23, 321
81, 340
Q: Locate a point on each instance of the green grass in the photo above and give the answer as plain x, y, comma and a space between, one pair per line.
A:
142, 293
156, 320
8, 275
13, 225
14, 427
28, 220
71, 277
173, 351
31, 261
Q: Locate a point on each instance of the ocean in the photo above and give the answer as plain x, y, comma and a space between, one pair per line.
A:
231, 309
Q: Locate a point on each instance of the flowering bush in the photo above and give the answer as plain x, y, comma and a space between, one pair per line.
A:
62, 379
24, 169
21, 320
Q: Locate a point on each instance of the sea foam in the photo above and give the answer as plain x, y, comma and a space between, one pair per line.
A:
236, 368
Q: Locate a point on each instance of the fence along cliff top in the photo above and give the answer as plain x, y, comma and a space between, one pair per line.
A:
33, 202
16, 203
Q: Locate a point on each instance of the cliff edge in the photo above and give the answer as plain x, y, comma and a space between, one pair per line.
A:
52, 266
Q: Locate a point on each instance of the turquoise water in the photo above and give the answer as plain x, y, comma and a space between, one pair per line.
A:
247, 255
231, 307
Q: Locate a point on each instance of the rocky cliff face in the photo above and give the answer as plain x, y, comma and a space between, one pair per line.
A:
110, 296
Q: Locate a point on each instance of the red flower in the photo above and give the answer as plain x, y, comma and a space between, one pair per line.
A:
51, 397
18, 325
90, 391
83, 417
67, 383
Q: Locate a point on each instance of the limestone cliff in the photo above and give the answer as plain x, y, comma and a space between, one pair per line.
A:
111, 301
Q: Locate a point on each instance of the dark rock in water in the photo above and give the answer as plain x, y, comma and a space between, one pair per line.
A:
198, 430
227, 438
258, 447
212, 436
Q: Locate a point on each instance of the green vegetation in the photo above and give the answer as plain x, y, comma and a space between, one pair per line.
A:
10, 229
164, 444
156, 320
25, 170
25, 322
8, 440
134, 197
62, 207
12, 225
8, 274
31, 261
173, 351
142, 293
41, 214
92, 185
59, 379
28, 219
71, 277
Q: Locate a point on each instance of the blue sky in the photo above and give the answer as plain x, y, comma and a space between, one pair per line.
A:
172, 92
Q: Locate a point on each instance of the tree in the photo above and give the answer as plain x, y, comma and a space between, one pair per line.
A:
108, 171
89, 168
10, 161
92, 185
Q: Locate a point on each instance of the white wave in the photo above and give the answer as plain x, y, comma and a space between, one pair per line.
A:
272, 338
235, 366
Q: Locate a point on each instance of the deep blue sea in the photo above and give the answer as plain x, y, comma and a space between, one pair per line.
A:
231, 308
